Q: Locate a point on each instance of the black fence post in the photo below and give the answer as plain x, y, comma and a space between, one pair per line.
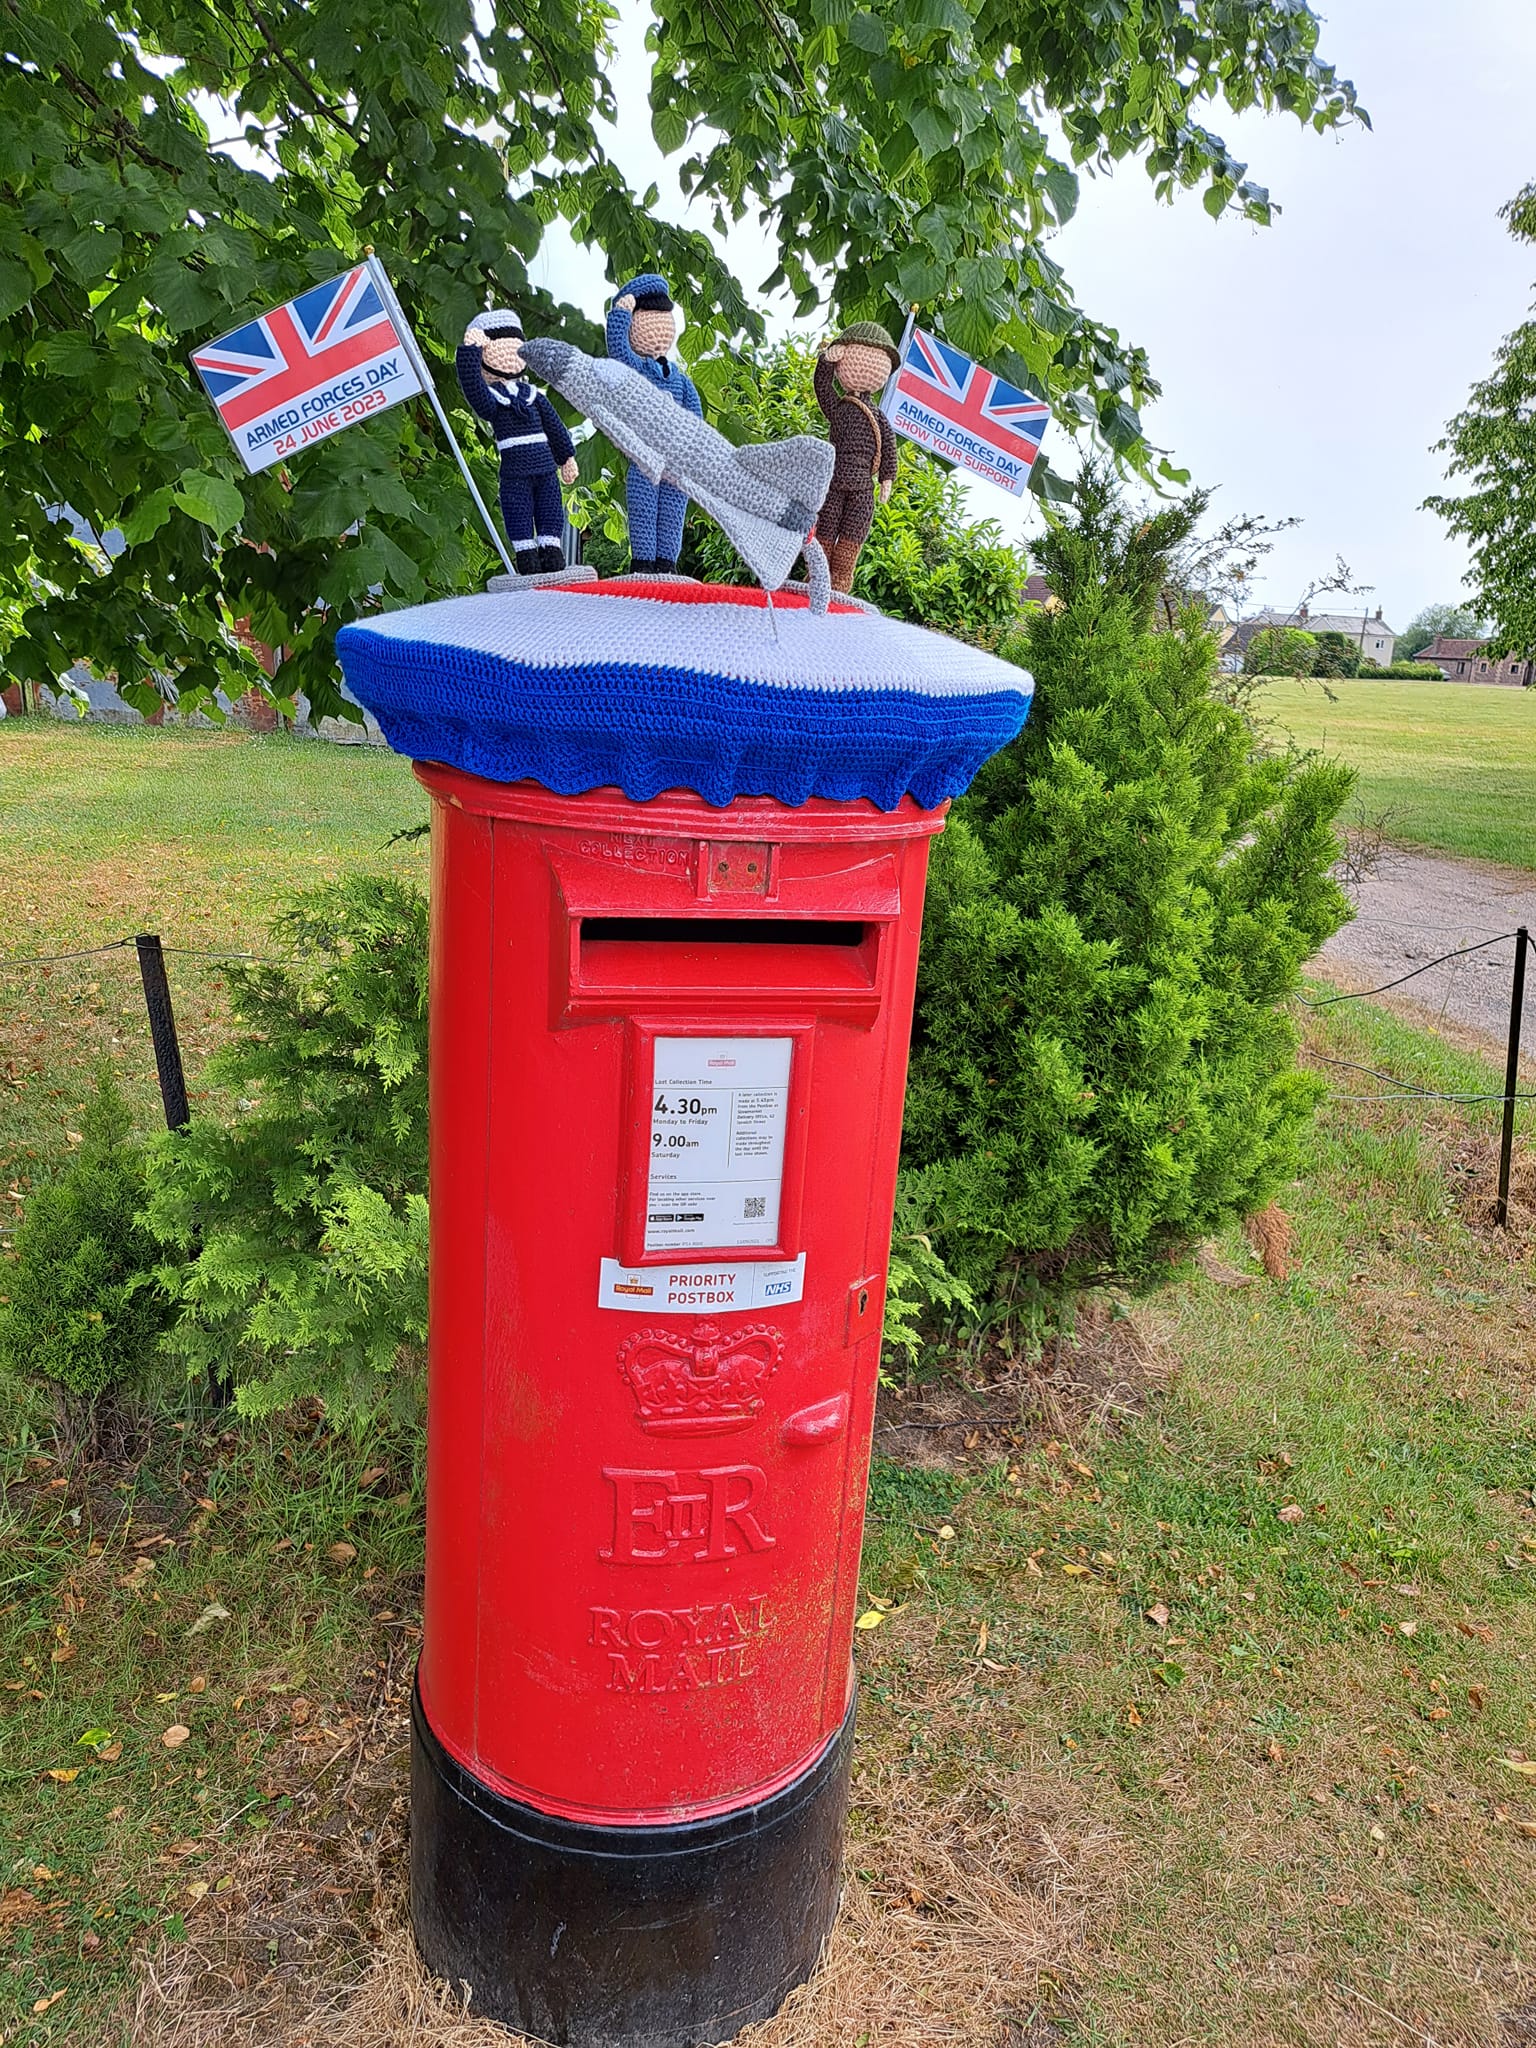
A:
162, 1029
1511, 1077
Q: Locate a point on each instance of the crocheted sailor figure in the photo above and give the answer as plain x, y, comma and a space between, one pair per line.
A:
533, 441
849, 372
641, 329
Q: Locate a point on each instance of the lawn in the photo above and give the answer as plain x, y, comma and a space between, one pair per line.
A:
1449, 765
1199, 1705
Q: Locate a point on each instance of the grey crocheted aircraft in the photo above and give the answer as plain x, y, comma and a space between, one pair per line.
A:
764, 497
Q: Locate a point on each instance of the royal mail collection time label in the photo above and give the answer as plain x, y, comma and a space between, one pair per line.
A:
719, 1107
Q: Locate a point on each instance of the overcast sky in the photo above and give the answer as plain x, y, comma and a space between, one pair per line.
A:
1295, 376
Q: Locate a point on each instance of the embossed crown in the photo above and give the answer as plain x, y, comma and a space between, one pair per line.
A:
701, 1382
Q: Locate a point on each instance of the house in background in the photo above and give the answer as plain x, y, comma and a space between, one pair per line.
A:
1468, 661
1374, 638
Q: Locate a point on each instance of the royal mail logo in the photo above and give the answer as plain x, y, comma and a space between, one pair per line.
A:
680, 1649
702, 1382
686, 1517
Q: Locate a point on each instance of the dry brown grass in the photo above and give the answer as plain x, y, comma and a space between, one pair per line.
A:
991, 1402
1269, 1232
963, 1921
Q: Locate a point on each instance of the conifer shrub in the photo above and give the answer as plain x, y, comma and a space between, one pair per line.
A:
1103, 1067
1281, 651
82, 1313
298, 1226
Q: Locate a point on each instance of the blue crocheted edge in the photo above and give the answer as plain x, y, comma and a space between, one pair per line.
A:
646, 730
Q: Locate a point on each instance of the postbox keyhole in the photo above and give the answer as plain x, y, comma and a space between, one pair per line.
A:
863, 1299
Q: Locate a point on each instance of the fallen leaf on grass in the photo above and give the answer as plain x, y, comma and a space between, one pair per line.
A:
93, 1738
213, 1612
342, 1553
374, 1472
198, 1684
65, 1777
110, 1754
871, 1619
1477, 1699
1292, 1512
1476, 1631
175, 1735
1522, 1764
1157, 1614
1407, 1628
197, 1891
946, 1534
17, 1904
42, 2004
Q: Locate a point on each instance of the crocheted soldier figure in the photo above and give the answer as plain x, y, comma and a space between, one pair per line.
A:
849, 371
641, 330
537, 453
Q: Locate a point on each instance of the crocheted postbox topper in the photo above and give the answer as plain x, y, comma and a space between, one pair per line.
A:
654, 687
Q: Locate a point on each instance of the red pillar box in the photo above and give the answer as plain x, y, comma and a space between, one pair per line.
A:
679, 850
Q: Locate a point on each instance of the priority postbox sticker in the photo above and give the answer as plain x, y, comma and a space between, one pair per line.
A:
706, 1290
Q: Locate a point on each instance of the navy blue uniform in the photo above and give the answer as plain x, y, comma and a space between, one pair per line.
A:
532, 441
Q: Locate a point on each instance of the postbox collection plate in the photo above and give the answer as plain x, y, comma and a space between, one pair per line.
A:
719, 1107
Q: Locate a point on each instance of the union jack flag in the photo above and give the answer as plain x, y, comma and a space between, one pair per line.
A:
965, 412
333, 355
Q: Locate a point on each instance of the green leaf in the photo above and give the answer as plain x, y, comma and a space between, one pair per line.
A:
669, 128
935, 132
866, 32
16, 286
213, 501
183, 296
1121, 426
1062, 186
922, 276
149, 515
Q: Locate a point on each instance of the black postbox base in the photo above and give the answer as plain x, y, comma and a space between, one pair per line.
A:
613, 1937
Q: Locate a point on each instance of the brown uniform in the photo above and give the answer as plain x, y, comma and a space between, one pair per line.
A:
866, 454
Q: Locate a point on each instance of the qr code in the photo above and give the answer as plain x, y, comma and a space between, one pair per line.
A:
754, 1205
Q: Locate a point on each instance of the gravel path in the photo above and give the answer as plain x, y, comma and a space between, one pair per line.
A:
1417, 906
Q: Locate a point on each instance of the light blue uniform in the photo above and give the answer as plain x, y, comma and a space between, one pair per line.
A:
656, 511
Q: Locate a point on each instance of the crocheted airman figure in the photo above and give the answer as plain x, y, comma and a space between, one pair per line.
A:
849, 373
533, 441
641, 330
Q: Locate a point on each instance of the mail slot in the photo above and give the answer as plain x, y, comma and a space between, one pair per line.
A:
668, 1053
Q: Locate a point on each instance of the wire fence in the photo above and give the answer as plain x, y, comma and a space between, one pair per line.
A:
151, 951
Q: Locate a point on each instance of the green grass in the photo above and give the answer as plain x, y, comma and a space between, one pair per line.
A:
1450, 765
1301, 1765
199, 836
1271, 1815
234, 1584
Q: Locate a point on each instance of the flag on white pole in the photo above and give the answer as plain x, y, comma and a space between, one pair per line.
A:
335, 355
961, 410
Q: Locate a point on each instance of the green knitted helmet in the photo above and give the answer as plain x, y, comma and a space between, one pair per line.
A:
872, 335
